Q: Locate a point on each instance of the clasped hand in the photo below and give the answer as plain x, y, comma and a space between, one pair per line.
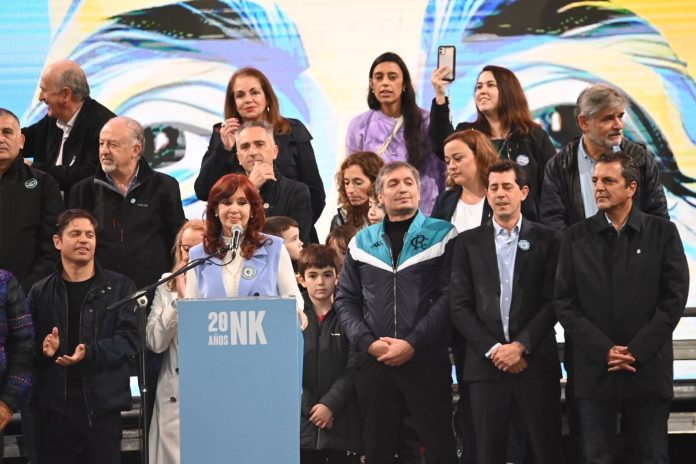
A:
391, 351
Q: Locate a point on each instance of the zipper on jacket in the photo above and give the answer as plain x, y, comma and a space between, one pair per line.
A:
395, 264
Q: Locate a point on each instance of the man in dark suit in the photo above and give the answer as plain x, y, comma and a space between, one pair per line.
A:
501, 301
621, 287
65, 142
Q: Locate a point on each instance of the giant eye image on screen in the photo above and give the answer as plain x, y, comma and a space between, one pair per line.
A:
167, 64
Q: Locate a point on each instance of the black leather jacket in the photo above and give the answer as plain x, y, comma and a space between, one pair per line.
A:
561, 198
110, 337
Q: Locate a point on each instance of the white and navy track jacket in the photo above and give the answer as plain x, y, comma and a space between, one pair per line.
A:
409, 301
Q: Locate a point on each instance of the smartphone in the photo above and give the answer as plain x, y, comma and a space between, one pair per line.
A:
447, 56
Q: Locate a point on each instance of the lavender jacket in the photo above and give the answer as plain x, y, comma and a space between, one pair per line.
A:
369, 130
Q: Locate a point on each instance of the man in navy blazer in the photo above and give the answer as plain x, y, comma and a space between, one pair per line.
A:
501, 301
621, 287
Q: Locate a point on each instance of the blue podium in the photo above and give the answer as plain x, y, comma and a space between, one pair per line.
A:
240, 366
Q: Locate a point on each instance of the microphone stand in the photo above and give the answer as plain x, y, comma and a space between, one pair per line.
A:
140, 297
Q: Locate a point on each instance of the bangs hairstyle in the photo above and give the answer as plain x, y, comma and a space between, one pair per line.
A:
224, 188
67, 216
416, 145
317, 256
513, 109
341, 236
509, 165
484, 152
279, 123
193, 224
370, 163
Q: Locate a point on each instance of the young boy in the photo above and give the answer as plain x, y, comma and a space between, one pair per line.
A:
287, 229
329, 428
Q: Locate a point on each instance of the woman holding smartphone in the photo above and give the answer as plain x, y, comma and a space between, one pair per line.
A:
395, 127
250, 97
503, 115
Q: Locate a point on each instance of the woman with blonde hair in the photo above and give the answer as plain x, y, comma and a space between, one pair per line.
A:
162, 337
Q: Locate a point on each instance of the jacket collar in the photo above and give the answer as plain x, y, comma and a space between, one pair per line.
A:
598, 223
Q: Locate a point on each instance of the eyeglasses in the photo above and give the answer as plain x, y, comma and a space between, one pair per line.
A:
186, 248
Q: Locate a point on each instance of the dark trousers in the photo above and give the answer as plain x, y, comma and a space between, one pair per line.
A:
67, 438
384, 393
328, 456
538, 404
646, 426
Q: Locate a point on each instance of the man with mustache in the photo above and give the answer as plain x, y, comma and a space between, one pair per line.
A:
621, 287
138, 210
567, 194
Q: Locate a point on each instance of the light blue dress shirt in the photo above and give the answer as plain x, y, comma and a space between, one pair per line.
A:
586, 167
506, 251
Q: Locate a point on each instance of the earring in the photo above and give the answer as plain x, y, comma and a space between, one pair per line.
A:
404, 91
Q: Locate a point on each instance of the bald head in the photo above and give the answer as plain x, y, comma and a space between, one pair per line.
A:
63, 88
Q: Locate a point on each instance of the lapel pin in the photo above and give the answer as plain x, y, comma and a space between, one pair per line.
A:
524, 245
249, 272
638, 251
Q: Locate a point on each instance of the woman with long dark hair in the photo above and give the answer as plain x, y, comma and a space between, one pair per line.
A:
503, 115
395, 127
354, 180
250, 97
232, 201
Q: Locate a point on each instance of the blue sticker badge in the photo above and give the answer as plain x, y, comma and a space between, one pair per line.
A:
524, 245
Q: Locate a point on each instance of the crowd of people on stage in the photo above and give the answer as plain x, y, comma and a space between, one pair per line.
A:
449, 247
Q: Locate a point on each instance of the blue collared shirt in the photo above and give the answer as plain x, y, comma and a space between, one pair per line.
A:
586, 167
506, 251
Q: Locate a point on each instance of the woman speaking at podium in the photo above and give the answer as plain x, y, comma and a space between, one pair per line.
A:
260, 266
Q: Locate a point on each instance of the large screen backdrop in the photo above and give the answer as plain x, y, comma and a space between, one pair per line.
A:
167, 64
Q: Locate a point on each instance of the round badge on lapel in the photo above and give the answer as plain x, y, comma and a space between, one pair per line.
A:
248, 272
524, 245
31, 183
522, 160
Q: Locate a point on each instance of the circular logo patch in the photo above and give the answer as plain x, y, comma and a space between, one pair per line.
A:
31, 183
524, 245
248, 272
522, 160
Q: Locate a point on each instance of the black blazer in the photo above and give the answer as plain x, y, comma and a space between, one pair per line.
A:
446, 204
629, 292
475, 300
80, 151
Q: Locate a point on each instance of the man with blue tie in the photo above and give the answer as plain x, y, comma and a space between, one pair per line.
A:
501, 294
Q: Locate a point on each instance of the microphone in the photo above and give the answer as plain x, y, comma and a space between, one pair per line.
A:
237, 232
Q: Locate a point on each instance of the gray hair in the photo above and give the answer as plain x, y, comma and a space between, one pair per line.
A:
76, 81
391, 167
265, 125
136, 132
597, 97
